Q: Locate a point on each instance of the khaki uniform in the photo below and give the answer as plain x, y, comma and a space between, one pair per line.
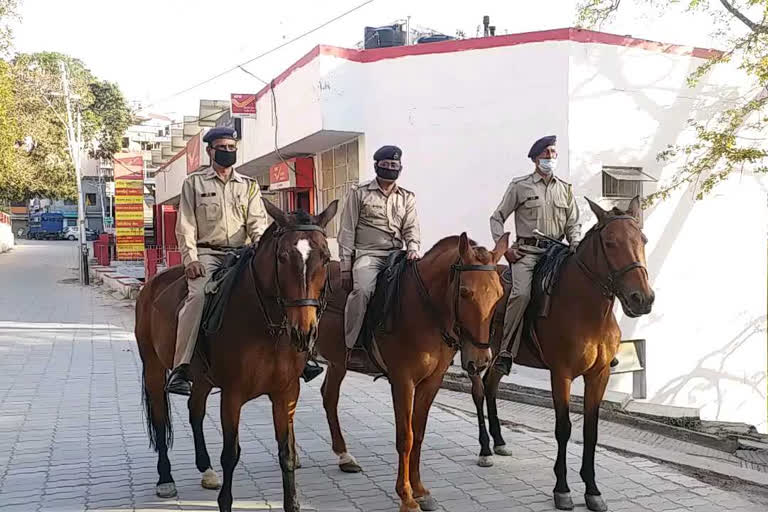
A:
552, 210
373, 225
219, 214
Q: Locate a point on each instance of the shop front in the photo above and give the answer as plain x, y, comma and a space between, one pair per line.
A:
294, 181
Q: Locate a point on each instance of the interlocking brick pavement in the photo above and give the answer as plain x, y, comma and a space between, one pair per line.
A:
72, 434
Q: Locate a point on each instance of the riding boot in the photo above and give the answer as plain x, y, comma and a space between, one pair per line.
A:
614, 362
311, 370
504, 363
179, 382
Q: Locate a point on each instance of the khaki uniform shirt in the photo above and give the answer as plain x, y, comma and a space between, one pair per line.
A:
218, 213
549, 208
373, 222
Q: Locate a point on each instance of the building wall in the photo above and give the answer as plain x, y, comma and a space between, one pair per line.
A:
6, 235
706, 337
169, 180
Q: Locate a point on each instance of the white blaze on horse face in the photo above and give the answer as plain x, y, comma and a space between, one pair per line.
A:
304, 249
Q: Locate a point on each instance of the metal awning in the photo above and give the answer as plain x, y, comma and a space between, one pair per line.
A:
628, 174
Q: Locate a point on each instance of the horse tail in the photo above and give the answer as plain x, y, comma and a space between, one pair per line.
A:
157, 415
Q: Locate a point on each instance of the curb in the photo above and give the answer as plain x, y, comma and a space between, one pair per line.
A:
127, 287
611, 411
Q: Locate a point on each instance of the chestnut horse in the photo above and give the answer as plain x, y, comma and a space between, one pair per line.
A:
447, 301
579, 337
268, 329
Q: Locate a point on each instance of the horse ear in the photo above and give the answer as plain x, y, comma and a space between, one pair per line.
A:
465, 250
325, 217
276, 213
597, 210
636, 210
501, 247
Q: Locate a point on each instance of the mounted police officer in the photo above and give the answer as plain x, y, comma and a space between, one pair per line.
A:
379, 217
219, 210
542, 201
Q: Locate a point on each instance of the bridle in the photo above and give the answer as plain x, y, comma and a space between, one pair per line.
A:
276, 329
608, 284
453, 336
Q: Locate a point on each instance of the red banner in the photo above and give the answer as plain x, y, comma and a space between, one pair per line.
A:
193, 153
129, 205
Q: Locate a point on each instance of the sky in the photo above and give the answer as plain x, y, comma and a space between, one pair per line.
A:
155, 48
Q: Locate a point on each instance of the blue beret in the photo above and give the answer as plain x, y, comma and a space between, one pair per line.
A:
387, 153
219, 132
540, 145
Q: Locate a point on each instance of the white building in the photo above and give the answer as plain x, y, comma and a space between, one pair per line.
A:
465, 114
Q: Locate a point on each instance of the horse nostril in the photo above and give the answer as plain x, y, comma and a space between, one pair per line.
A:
637, 298
652, 299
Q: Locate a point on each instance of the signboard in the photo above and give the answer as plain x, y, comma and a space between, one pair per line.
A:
281, 177
110, 188
129, 206
108, 222
243, 105
292, 173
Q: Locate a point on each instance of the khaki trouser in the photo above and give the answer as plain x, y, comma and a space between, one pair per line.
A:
519, 297
364, 273
191, 312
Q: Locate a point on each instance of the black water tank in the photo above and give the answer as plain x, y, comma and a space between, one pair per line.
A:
384, 37
434, 38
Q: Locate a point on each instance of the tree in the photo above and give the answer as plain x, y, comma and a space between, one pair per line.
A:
9, 10
721, 148
46, 170
12, 182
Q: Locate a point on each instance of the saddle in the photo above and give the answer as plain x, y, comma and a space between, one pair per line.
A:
383, 306
545, 276
219, 288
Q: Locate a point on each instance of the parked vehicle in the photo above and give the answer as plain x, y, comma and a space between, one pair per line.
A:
45, 226
73, 233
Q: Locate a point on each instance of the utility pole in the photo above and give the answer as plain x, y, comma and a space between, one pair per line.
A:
75, 139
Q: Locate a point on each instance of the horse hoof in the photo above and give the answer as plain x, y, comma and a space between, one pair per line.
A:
167, 490
595, 502
350, 467
502, 450
563, 501
485, 461
405, 508
427, 503
210, 480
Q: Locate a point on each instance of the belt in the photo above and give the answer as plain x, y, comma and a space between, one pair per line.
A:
534, 242
217, 247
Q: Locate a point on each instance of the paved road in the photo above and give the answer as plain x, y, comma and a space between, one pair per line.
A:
72, 434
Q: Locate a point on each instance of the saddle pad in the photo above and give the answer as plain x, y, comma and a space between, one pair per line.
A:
219, 288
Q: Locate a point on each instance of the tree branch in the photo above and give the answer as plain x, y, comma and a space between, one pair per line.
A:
754, 27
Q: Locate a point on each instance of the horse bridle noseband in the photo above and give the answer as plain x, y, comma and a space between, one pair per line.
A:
608, 284
452, 337
275, 329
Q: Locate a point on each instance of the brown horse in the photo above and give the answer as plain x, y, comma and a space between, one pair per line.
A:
446, 304
579, 337
268, 329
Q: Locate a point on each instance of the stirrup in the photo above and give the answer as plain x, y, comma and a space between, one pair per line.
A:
311, 371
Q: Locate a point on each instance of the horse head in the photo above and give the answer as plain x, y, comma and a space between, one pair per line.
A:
475, 297
619, 256
301, 269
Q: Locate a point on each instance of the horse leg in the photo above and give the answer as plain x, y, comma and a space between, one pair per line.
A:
491, 380
594, 389
402, 399
196, 405
283, 409
330, 390
158, 416
230, 453
561, 394
478, 396
425, 395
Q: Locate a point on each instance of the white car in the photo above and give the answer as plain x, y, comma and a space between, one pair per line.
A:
72, 233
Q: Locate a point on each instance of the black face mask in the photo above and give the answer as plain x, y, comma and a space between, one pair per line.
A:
387, 174
224, 158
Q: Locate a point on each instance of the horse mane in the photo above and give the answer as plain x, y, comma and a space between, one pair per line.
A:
452, 242
296, 217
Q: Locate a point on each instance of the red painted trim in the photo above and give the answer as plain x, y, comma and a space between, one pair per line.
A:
560, 34
306, 59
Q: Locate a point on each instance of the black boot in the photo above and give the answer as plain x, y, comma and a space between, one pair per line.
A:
503, 364
614, 362
179, 382
311, 370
